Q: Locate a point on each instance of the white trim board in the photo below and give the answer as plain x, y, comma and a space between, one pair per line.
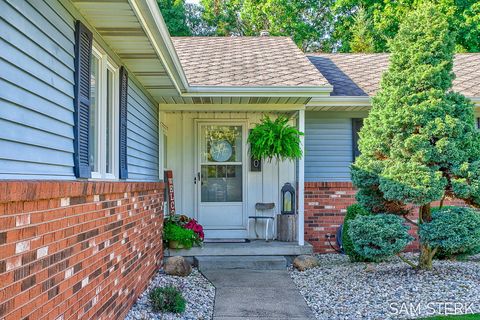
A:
231, 107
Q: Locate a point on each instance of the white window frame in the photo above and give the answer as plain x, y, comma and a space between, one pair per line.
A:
162, 154
163, 134
106, 63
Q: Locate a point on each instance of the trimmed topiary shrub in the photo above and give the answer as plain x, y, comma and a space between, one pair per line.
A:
419, 143
453, 231
377, 237
353, 211
167, 299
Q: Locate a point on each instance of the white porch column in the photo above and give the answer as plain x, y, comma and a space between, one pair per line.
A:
301, 180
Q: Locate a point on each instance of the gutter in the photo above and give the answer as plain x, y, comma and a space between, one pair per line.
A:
267, 91
355, 101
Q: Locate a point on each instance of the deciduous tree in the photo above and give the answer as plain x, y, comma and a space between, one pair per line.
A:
463, 18
195, 22
308, 22
174, 14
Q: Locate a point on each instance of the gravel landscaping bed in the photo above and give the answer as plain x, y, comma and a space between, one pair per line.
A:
338, 289
196, 289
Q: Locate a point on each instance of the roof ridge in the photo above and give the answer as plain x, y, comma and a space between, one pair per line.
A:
346, 53
231, 37
313, 54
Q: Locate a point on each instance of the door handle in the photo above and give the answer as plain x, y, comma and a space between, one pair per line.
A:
198, 178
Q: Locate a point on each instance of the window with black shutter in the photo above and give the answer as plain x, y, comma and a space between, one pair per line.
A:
100, 111
83, 51
357, 124
478, 123
123, 123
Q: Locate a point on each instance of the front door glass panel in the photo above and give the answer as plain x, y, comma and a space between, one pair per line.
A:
221, 163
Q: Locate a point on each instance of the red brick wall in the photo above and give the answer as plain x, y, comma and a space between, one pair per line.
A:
325, 207
77, 250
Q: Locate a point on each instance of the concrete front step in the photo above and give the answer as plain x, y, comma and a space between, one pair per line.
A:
253, 248
241, 262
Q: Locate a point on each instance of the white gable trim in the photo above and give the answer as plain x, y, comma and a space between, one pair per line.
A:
148, 14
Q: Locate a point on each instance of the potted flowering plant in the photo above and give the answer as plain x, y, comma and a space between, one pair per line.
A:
182, 232
198, 229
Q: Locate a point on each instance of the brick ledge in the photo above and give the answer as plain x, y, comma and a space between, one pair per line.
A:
28, 190
329, 184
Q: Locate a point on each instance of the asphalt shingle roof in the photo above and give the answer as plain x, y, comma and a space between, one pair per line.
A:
245, 61
359, 74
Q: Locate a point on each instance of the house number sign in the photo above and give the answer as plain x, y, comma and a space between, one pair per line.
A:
170, 191
255, 165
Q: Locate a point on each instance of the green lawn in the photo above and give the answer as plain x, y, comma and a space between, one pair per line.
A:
462, 317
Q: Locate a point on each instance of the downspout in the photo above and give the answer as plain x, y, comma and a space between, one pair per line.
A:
301, 180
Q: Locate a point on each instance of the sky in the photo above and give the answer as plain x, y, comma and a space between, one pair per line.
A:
192, 1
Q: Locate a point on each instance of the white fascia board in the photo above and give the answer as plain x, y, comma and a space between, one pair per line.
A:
264, 91
231, 107
340, 101
148, 13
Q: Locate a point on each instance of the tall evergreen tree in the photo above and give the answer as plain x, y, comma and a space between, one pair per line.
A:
362, 39
419, 143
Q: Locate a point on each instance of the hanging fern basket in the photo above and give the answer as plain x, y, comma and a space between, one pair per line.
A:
275, 139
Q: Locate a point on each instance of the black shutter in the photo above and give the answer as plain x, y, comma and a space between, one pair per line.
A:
478, 123
123, 123
357, 124
83, 52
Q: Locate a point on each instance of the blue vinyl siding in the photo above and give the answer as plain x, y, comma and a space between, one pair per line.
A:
36, 97
142, 136
36, 90
328, 147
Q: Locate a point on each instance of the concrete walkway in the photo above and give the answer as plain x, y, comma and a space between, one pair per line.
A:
256, 295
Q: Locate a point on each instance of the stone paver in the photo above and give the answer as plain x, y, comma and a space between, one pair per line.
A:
256, 295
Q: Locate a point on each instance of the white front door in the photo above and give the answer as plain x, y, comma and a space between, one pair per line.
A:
221, 179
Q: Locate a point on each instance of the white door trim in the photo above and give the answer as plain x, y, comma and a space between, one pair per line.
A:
239, 122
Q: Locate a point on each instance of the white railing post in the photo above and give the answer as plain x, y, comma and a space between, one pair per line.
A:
301, 180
